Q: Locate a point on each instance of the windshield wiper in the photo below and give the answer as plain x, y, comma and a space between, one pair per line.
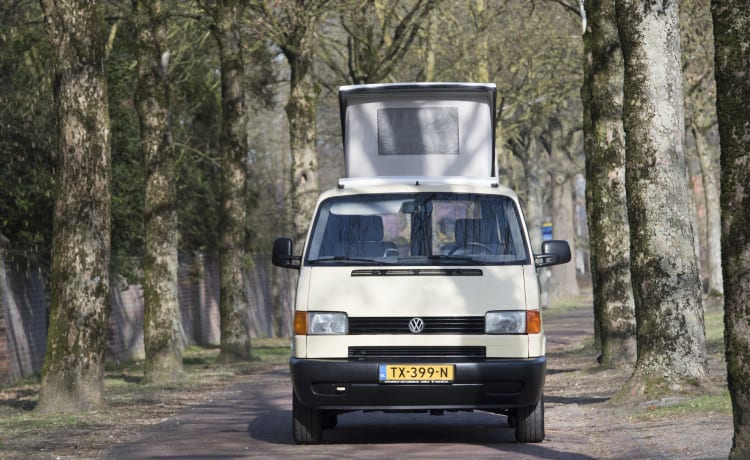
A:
445, 259
457, 259
348, 259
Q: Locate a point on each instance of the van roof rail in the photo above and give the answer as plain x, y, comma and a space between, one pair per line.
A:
416, 180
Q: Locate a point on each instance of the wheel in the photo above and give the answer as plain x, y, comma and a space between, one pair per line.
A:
329, 420
306, 423
529, 422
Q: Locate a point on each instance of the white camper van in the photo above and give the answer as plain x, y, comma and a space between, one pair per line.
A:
417, 286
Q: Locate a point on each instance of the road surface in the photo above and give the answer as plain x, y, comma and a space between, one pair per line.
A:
253, 420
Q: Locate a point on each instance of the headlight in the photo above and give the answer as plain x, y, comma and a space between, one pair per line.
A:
505, 322
321, 323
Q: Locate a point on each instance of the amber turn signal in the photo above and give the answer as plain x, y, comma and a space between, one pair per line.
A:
300, 323
533, 322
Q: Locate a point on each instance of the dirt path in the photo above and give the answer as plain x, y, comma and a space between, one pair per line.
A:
252, 420
578, 392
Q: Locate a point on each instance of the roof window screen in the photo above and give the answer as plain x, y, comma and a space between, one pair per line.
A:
418, 131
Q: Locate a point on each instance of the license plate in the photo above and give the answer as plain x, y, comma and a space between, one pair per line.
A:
416, 373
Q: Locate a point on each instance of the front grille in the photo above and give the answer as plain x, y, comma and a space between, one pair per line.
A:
400, 353
432, 325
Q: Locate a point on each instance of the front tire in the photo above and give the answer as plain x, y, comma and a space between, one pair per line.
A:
306, 423
329, 420
529, 422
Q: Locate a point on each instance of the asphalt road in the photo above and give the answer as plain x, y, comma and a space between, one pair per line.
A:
253, 420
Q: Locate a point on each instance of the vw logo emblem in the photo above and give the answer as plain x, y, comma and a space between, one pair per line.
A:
416, 325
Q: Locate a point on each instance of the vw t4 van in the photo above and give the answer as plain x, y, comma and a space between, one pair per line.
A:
418, 287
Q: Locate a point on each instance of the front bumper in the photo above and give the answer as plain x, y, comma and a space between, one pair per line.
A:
341, 384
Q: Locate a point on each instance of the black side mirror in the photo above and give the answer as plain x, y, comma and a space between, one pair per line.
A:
554, 252
282, 255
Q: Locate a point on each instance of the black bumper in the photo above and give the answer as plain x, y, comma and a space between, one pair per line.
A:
341, 384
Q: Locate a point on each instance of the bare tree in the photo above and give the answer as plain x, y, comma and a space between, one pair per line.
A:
664, 269
73, 372
732, 60
378, 34
561, 141
225, 17
293, 27
162, 324
606, 202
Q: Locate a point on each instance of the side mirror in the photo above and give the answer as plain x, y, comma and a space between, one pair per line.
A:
554, 252
282, 255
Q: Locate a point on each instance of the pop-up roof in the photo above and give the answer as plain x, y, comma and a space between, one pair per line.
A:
419, 129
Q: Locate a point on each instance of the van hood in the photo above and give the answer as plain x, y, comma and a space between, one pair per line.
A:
420, 291
419, 129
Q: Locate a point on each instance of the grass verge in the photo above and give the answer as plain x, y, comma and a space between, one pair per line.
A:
131, 406
702, 405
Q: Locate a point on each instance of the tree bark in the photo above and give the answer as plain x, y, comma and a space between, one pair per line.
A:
162, 325
713, 212
73, 371
233, 305
482, 69
431, 42
604, 143
535, 158
301, 114
563, 280
664, 269
700, 119
732, 61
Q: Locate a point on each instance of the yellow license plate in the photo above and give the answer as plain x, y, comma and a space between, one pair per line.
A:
416, 373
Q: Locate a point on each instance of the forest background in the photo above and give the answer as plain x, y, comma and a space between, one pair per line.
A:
533, 52
295, 56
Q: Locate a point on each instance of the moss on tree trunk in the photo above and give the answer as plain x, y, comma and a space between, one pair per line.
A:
72, 375
300, 110
606, 201
233, 306
664, 268
732, 63
162, 326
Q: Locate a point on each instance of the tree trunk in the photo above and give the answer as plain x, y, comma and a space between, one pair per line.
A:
563, 280
732, 61
664, 269
73, 371
713, 212
700, 117
162, 324
233, 305
561, 139
482, 68
604, 143
300, 110
588, 147
431, 42
535, 158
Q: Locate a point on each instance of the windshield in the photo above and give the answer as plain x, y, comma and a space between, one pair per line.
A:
418, 229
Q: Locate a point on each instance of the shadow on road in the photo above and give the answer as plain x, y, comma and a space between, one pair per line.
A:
406, 435
574, 400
